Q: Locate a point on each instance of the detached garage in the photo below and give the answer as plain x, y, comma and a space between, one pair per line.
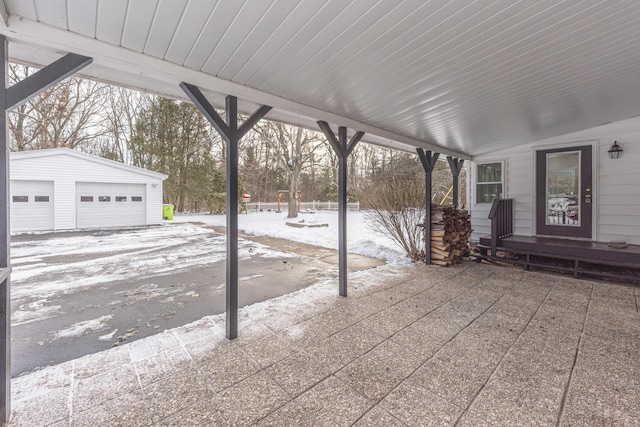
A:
62, 189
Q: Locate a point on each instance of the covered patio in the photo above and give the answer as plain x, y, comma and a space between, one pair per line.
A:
474, 345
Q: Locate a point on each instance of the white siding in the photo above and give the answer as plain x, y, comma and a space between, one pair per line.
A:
154, 203
66, 168
616, 182
618, 202
65, 203
518, 172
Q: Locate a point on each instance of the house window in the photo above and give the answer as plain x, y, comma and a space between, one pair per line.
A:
20, 199
121, 198
489, 182
86, 198
42, 199
136, 198
104, 198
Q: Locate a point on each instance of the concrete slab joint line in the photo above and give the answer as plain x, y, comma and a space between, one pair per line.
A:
414, 344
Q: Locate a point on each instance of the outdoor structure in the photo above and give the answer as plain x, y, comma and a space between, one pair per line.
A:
62, 189
574, 197
504, 84
283, 192
564, 186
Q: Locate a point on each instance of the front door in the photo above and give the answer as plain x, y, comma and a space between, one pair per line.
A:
564, 192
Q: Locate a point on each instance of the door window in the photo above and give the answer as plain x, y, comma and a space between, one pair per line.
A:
563, 189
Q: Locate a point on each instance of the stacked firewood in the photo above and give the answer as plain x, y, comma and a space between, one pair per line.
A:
450, 233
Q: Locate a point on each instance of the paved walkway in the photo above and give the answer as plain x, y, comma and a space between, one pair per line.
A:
476, 345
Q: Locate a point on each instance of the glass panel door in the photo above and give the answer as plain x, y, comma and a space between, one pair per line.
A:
563, 189
564, 192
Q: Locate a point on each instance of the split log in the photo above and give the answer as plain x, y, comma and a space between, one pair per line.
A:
450, 232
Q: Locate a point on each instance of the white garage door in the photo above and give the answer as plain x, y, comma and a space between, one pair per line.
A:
31, 204
110, 205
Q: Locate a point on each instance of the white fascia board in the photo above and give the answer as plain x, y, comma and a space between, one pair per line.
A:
144, 67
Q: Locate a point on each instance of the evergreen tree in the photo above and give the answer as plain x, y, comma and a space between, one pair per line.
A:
173, 138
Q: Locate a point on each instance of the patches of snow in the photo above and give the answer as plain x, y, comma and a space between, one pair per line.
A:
109, 336
33, 261
126, 255
150, 290
83, 328
33, 311
247, 278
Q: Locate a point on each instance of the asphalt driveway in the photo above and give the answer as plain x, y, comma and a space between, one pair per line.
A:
78, 293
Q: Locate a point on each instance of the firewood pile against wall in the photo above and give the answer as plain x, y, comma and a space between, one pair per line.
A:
450, 233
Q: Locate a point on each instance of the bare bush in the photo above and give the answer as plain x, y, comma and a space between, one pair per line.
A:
396, 212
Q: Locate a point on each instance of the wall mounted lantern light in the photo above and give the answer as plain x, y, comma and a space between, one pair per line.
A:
615, 152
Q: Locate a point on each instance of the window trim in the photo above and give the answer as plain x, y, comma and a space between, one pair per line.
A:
476, 182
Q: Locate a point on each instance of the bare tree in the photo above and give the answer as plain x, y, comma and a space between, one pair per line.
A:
66, 115
397, 208
295, 148
121, 108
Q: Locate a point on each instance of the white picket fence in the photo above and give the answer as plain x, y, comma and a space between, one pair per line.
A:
313, 206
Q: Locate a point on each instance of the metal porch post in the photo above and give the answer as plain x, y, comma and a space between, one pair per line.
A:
5, 291
10, 98
232, 134
456, 166
231, 107
428, 163
342, 149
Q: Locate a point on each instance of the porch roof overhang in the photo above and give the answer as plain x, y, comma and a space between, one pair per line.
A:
457, 77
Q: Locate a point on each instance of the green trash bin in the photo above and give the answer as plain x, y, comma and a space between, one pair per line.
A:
167, 212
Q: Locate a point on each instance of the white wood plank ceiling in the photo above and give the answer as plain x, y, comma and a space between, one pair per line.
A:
466, 77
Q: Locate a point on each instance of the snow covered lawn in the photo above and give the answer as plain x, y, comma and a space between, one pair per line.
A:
360, 238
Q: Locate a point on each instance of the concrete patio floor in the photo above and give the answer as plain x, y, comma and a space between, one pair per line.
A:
475, 345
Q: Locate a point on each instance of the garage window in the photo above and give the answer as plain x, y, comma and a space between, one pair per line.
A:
86, 198
121, 198
136, 198
42, 199
104, 198
20, 199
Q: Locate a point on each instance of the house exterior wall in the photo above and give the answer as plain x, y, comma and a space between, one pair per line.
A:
616, 182
65, 170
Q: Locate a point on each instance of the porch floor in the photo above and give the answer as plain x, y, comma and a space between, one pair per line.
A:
473, 345
579, 251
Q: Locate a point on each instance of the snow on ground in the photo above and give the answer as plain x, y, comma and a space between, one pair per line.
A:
360, 238
46, 268
89, 259
81, 328
34, 311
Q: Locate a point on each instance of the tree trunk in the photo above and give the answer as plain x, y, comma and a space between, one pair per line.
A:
293, 190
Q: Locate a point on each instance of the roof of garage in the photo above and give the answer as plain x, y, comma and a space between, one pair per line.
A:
48, 152
461, 77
